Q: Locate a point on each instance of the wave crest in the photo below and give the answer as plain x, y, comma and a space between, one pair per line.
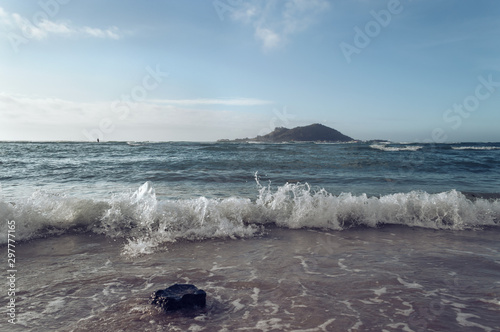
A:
475, 148
384, 147
148, 223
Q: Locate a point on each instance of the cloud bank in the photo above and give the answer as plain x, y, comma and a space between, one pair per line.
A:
226, 101
44, 28
34, 118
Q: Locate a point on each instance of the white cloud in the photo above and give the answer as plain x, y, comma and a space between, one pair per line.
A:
112, 32
4, 18
245, 14
269, 38
28, 30
45, 28
274, 22
229, 102
15, 108
56, 28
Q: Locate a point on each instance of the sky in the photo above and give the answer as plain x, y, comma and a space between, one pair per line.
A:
203, 70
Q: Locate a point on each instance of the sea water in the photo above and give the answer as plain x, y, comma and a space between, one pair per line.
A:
283, 237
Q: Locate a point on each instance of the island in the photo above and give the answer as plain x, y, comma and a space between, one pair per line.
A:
312, 133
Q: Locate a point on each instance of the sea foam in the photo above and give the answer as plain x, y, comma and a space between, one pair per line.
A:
475, 148
384, 147
148, 223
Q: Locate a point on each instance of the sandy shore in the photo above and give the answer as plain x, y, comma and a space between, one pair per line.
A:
392, 278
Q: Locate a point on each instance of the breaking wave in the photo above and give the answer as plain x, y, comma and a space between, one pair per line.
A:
148, 223
384, 147
475, 148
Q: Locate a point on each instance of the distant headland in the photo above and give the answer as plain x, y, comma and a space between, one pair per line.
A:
312, 133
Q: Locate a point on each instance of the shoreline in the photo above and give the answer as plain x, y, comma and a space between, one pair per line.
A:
285, 279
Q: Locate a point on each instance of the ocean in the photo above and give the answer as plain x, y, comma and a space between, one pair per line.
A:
365, 236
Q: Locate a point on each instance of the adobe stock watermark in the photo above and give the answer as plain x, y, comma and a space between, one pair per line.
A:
454, 117
224, 6
28, 28
372, 29
127, 103
282, 116
422, 316
483, 91
12, 271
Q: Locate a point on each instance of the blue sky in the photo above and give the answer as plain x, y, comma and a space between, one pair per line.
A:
407, 70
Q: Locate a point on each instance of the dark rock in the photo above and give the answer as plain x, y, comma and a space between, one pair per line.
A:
179, 296
312, 133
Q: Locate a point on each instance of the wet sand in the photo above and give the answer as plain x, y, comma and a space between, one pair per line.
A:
388, 279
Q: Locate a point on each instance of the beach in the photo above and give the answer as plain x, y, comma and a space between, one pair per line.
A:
388, 279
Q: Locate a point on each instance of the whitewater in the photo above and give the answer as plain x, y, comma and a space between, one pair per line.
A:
148, 223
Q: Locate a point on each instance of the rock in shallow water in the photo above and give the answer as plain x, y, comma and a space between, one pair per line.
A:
179, 296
